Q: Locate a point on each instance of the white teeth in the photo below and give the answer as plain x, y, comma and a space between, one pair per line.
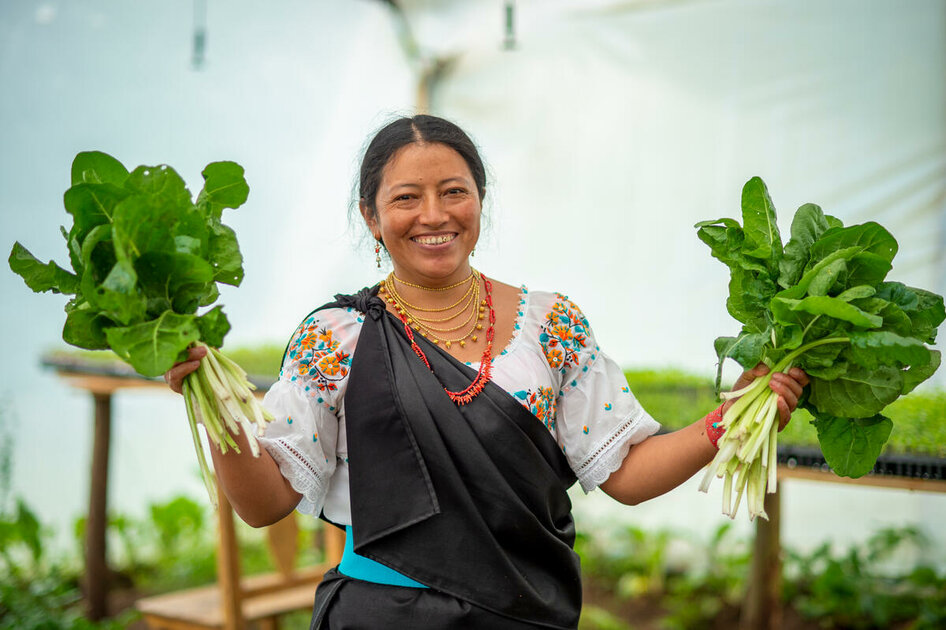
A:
434, 240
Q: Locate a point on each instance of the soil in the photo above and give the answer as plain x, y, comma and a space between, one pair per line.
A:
645, 613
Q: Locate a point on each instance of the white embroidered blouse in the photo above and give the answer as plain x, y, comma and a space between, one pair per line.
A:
552, 366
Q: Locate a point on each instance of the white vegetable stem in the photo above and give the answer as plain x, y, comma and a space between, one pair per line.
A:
748, 448
218, 395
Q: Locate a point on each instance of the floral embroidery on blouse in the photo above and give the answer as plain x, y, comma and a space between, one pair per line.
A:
564, 333
315, 354
541, 403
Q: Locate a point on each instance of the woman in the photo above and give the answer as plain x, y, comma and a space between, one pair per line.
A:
441, 416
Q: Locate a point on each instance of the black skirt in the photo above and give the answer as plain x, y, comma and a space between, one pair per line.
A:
344, 603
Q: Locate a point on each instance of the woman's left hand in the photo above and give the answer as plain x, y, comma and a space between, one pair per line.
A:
788, 386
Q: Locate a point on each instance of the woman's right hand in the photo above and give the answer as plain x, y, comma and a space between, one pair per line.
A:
175, 376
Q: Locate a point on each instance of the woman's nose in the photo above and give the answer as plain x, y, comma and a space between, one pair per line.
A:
432, 211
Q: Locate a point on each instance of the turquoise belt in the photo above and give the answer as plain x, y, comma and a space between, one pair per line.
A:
362, 568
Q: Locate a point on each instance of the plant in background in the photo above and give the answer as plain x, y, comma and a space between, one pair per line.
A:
698, 596
822, 303
145, 258
851, 591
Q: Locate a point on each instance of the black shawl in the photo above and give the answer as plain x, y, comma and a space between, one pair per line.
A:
469, 500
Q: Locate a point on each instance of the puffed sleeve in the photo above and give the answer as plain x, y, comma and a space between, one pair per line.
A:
598, 419
305, 402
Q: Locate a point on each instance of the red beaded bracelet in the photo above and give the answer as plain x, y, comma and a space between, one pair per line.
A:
714, 426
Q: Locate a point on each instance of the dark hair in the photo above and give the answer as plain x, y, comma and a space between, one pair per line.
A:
404, 131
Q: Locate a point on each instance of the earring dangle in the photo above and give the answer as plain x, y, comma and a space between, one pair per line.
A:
377, 254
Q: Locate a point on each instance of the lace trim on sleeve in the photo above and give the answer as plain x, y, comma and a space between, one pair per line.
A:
609, 456
304, 477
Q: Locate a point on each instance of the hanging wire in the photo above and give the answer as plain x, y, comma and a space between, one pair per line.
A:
509, 42
200, 34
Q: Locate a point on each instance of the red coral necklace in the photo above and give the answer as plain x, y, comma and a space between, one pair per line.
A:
486, 362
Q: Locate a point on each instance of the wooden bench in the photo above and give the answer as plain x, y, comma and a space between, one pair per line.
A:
235, 600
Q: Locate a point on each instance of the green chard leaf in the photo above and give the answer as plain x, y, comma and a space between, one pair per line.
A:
867, 237
928, 315
899, 294
178, 281
117, 297
39, 276
856, 293
91, 205
85, 328
213, 326
97, 167
829, 307
858, 393
748, 349
808, 225
919, 372
851, 446
149, 224
224, 187
749, 296
875, 348
759, 223
225, 256
154, 346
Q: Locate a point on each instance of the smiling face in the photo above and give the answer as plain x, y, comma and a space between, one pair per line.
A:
427, 214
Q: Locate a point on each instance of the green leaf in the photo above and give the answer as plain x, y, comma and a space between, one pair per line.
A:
927, 317
748, 349
858, 393
865, 268
867, 237
826, 370
153, 347
759, 223
177, 280
899, 294
85, 328
856, 293
724, 222
225, 255
827, 277
224, 187
117, 297
808, 224
895, 320
851, 447
836, 309
871, 349
919, 372
824, 357
213, 326
39, 276
90, 205
800, 289
97, 167
749, 295
146, 223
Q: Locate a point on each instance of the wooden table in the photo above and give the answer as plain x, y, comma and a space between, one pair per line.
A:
102, 380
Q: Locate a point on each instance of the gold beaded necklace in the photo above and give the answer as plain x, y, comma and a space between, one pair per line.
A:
425, 325
447, 288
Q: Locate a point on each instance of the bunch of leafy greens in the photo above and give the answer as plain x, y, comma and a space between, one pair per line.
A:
145, 258
822, 303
